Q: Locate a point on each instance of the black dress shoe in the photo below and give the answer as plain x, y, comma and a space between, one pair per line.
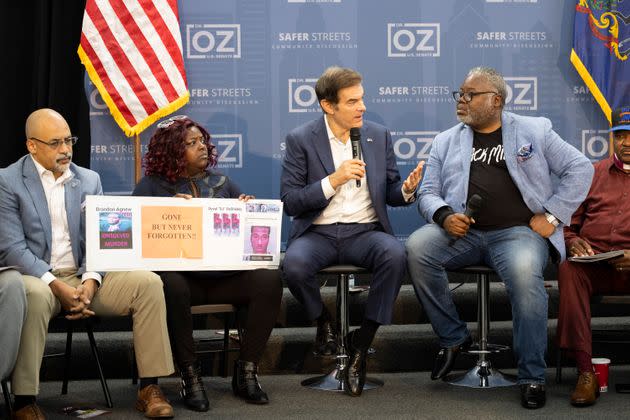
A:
533, 395
193, 391
445, 359
245, 383
326, 340
354, 375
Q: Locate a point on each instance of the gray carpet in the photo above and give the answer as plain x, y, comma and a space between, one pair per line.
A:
405, 396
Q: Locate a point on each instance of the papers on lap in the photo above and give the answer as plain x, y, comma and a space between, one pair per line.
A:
174, 234
597, 257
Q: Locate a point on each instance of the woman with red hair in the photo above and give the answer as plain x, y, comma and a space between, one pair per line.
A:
179, 163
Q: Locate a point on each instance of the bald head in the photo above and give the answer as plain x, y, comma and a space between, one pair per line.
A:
46, 128
43, 120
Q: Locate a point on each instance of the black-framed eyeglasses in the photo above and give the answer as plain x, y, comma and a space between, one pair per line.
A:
55, 143
170, 120
468, 96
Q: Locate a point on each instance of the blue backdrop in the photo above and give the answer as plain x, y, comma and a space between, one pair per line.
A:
251, 68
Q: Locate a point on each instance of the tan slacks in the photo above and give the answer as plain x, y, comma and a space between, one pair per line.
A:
135, 293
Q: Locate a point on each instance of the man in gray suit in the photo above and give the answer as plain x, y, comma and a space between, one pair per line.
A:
42, 198
510, 162
12, 315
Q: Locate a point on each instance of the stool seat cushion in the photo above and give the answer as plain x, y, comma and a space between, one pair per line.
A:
474, 269
344, 269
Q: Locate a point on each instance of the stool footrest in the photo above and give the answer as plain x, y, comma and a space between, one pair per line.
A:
482, 376
491, 348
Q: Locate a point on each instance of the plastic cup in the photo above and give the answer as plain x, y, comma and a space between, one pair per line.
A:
600, 366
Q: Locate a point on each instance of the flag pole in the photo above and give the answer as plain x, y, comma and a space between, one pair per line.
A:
137, 155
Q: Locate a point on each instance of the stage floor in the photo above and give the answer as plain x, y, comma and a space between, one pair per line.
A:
405, 395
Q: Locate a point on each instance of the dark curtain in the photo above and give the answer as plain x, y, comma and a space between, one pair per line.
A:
41, 69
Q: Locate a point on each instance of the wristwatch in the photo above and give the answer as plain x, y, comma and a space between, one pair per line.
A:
552, 219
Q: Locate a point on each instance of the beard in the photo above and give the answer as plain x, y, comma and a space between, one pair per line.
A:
62, 167
479, 117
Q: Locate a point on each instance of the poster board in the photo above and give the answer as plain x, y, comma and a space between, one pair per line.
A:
176, 234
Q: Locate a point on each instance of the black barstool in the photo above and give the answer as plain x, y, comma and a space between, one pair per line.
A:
333, 381
482, 375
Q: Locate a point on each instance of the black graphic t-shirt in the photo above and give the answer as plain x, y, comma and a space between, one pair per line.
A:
503, 204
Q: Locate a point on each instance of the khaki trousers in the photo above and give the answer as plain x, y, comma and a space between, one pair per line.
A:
135, 293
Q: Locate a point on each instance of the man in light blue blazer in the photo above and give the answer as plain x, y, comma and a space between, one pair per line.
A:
42, 198
338, 204
530, 182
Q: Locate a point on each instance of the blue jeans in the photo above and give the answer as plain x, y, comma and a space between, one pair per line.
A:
517, 254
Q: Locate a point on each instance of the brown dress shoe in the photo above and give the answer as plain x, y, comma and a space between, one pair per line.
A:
586, 391
153, 403
30, 412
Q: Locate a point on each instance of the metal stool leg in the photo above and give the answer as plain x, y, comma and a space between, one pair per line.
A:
134, 367
97, 357
7, 398
333, 381
226, 344
67, 358
483, 375
559, 365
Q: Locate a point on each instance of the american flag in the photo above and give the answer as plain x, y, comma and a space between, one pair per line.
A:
132, 51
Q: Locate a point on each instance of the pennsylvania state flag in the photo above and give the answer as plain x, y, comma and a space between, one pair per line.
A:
601, 45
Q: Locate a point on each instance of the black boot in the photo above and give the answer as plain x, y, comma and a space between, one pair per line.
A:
354, 375
193, 392
245, 383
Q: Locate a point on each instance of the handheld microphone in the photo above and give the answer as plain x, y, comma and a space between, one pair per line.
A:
355, 140
475, 202
473, 206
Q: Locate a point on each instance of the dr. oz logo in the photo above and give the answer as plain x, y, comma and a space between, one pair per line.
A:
302, 96
97, 105
522, 93
412, 146
595, 144
413, 39
212, 40
229, 149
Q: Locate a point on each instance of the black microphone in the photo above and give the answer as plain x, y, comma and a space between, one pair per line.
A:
475, 202
355, 140
473, 206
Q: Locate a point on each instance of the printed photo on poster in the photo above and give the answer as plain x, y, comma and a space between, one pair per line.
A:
260, 240
115, 229
262, 208
226, 224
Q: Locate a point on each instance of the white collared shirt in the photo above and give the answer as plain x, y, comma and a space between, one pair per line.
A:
349, 204
61, 256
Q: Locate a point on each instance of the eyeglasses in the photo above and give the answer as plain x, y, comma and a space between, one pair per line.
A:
55, 143
468, 96
170, 120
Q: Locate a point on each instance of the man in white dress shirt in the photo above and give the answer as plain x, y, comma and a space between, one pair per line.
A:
338, 220
42, 199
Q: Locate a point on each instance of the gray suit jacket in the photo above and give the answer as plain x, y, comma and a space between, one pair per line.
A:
551, 174
25, 228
